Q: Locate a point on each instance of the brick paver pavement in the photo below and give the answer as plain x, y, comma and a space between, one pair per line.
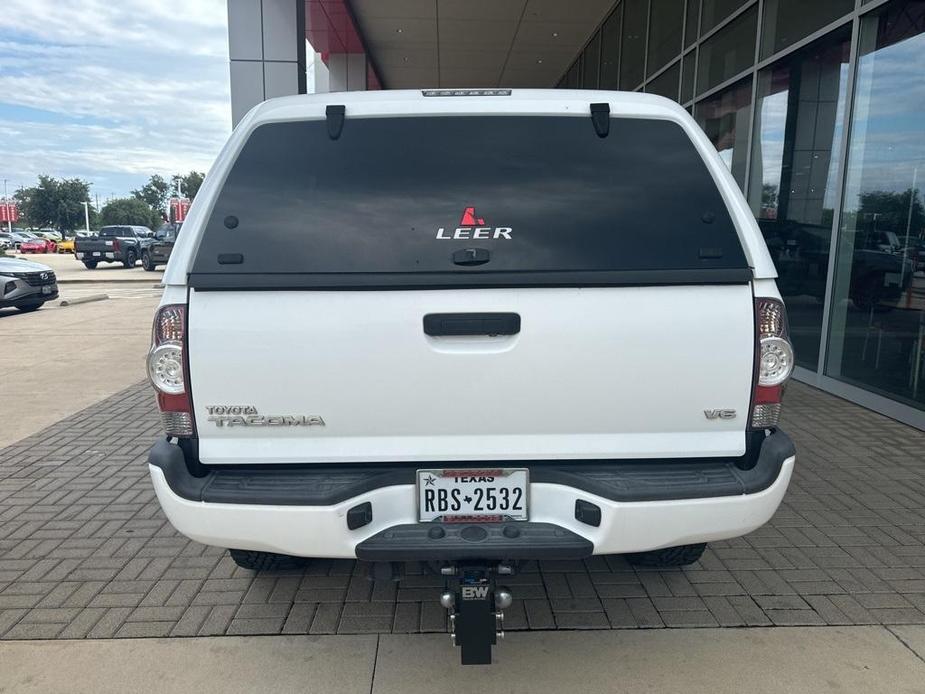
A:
85, 551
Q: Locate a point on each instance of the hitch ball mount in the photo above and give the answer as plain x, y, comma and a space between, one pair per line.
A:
476, 606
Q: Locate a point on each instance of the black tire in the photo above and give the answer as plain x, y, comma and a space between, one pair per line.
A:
130, 258
146, 262
670, 556
265, 561
91, 264
30, 308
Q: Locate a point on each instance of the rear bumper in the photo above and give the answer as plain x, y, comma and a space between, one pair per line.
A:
104, 256
304, 512
26, 295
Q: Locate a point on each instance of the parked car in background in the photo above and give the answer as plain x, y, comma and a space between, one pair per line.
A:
38, 245
6, 241
115, 244
26, 285
20, 235
66, 245
49, 234
156, 251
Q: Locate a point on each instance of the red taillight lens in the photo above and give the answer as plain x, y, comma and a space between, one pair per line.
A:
115, 245
168, 369
774, 362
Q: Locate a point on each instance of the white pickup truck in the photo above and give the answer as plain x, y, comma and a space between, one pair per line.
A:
471, 328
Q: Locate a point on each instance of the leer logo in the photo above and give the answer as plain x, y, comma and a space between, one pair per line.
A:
472, 226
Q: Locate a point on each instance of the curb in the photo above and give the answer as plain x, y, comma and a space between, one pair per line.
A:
84, 299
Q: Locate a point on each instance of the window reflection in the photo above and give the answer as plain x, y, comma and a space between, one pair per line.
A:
877, 338
799, 111
728, 52
724, 118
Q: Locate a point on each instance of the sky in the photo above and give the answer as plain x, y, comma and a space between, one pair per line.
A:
111, 91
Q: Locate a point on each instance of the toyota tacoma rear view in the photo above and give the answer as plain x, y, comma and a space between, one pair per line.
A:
471, 328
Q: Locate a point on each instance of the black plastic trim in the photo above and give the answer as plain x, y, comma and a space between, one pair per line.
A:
617, 480
437, 324
359, 516
494, 541
463, 279
334, 113
600, 118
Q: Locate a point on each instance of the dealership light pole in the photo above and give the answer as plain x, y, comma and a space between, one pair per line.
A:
9, 220
87, 216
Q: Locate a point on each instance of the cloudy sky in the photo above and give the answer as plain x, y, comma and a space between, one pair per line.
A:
111, 91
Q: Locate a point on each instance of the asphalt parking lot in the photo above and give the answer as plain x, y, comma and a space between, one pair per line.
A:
63, 358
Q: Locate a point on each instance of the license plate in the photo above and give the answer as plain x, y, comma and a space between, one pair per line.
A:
485, 495
46, 289
96, 254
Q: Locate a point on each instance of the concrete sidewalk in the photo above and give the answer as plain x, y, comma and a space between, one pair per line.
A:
715, 661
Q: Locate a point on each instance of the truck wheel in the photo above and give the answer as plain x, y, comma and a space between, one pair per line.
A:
91, 264
130, 259
146, 262
670, 556
265, 561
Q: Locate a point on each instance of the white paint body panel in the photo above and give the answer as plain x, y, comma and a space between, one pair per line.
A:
607, 372
321, 531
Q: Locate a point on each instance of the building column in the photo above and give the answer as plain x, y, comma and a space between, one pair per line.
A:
266, 50
347, 72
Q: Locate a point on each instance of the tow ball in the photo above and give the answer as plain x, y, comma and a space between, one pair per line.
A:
476, 606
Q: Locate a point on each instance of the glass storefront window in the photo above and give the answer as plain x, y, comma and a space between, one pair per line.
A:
590, 63
724, 118
666, 19
787, 21
666, 84
728, 52
877, 334
715, 11
692, 22
633, 55
688, 64
610, 49
799, 111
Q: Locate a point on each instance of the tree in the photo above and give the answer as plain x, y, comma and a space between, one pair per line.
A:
128, 211
155, 193
55, 203
901, 213
189, 184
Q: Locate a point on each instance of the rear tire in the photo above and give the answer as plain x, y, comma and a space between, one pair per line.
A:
265, 561
670, 556
130, 259
147, 263
91, 264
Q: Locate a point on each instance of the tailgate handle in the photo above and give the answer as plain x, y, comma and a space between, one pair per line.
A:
472, 323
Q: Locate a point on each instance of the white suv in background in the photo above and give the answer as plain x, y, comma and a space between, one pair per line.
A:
471, 328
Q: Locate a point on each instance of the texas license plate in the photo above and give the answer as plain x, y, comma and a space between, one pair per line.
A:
96, 254
47, 289
487, 495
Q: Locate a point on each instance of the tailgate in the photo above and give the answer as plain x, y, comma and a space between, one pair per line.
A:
606, 372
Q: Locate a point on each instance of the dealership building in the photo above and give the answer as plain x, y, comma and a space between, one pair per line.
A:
816, 106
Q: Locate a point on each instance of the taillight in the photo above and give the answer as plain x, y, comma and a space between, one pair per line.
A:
774, 356
115, 245
168, 369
